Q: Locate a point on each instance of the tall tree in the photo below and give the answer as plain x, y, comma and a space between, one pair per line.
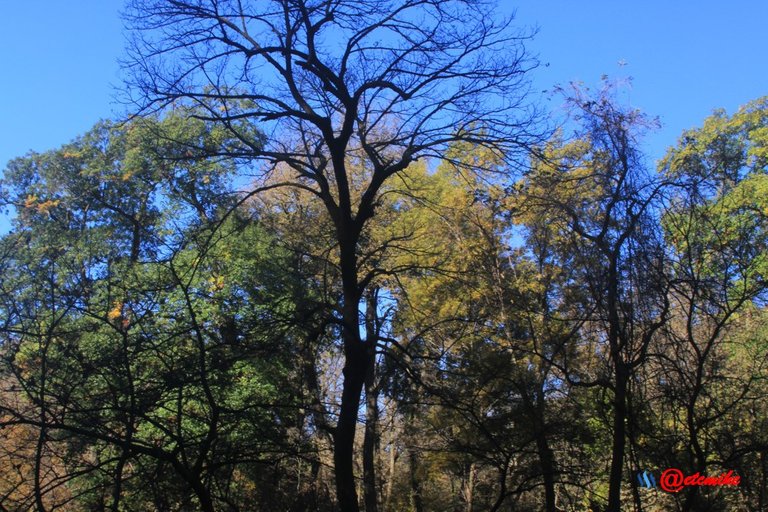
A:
717, 233
601, 198
381, 82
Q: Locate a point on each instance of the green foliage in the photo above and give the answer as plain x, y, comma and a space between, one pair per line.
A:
717, 223
149, 331
167, 343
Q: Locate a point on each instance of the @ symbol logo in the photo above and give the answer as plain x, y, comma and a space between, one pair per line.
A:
672, 480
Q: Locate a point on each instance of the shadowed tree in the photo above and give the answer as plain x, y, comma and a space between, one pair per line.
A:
598, 195
715, 226
379, 83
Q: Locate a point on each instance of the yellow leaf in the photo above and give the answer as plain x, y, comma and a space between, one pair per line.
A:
46, 206
116, 311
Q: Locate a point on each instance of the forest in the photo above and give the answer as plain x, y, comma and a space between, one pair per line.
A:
336, 258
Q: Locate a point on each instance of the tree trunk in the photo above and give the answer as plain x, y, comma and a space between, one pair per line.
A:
392, 461
344, 435
535, 406
117, 490
619, 439
322, 438
700, 460
371, 437
469, 487
546, 460
633, 458
370, 441
196, 486
355, 368
416, 501
502, 493
621, 373
763, 499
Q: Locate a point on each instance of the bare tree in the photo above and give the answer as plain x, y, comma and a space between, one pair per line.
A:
375, 82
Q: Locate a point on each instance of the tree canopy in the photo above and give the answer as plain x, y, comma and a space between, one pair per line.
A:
334, 263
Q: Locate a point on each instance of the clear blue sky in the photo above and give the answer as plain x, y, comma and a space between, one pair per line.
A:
59, 66
686, 57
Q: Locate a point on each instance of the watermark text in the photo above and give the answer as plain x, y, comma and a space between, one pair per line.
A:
673, 480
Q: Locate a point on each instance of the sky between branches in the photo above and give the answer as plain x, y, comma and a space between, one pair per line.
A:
60, 61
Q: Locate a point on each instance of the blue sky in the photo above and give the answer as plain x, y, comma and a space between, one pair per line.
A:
59, 66
686, 57
59, 60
